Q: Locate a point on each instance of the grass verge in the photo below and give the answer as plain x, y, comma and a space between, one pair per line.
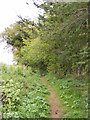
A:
73, 95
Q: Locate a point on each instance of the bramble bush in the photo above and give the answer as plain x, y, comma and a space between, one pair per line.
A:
25, 95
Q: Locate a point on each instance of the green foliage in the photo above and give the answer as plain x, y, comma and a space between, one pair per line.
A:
58, 42
62, 39
73, 94
25, 94
18, 33
66, 33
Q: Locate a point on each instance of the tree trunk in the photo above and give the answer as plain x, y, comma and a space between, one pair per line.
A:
79, 71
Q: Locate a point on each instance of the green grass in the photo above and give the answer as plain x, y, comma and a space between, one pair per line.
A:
73, 94
26, 95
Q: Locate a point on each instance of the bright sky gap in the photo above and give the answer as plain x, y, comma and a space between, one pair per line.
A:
9, 11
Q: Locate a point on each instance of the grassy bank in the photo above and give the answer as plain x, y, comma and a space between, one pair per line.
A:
73, 94
25, 95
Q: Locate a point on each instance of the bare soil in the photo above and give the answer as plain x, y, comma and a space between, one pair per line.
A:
53, 101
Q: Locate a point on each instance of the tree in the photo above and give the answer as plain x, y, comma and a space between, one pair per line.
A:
67, 34
58, 43
16, 35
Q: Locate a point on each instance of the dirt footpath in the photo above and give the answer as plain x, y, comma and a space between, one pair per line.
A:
53, 101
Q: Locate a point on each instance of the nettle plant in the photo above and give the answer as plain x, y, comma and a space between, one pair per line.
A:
10, 95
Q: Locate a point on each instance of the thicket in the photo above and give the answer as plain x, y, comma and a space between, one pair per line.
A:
22, 93
57, 43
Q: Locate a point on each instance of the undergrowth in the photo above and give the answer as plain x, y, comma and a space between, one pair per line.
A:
73, 94
24, 94
26, 97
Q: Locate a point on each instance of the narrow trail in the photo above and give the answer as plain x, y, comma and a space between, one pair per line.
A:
53, 101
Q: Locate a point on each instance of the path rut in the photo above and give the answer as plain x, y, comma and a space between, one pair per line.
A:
53, 101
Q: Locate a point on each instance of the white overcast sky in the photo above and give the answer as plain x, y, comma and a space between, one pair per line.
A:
9, 9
